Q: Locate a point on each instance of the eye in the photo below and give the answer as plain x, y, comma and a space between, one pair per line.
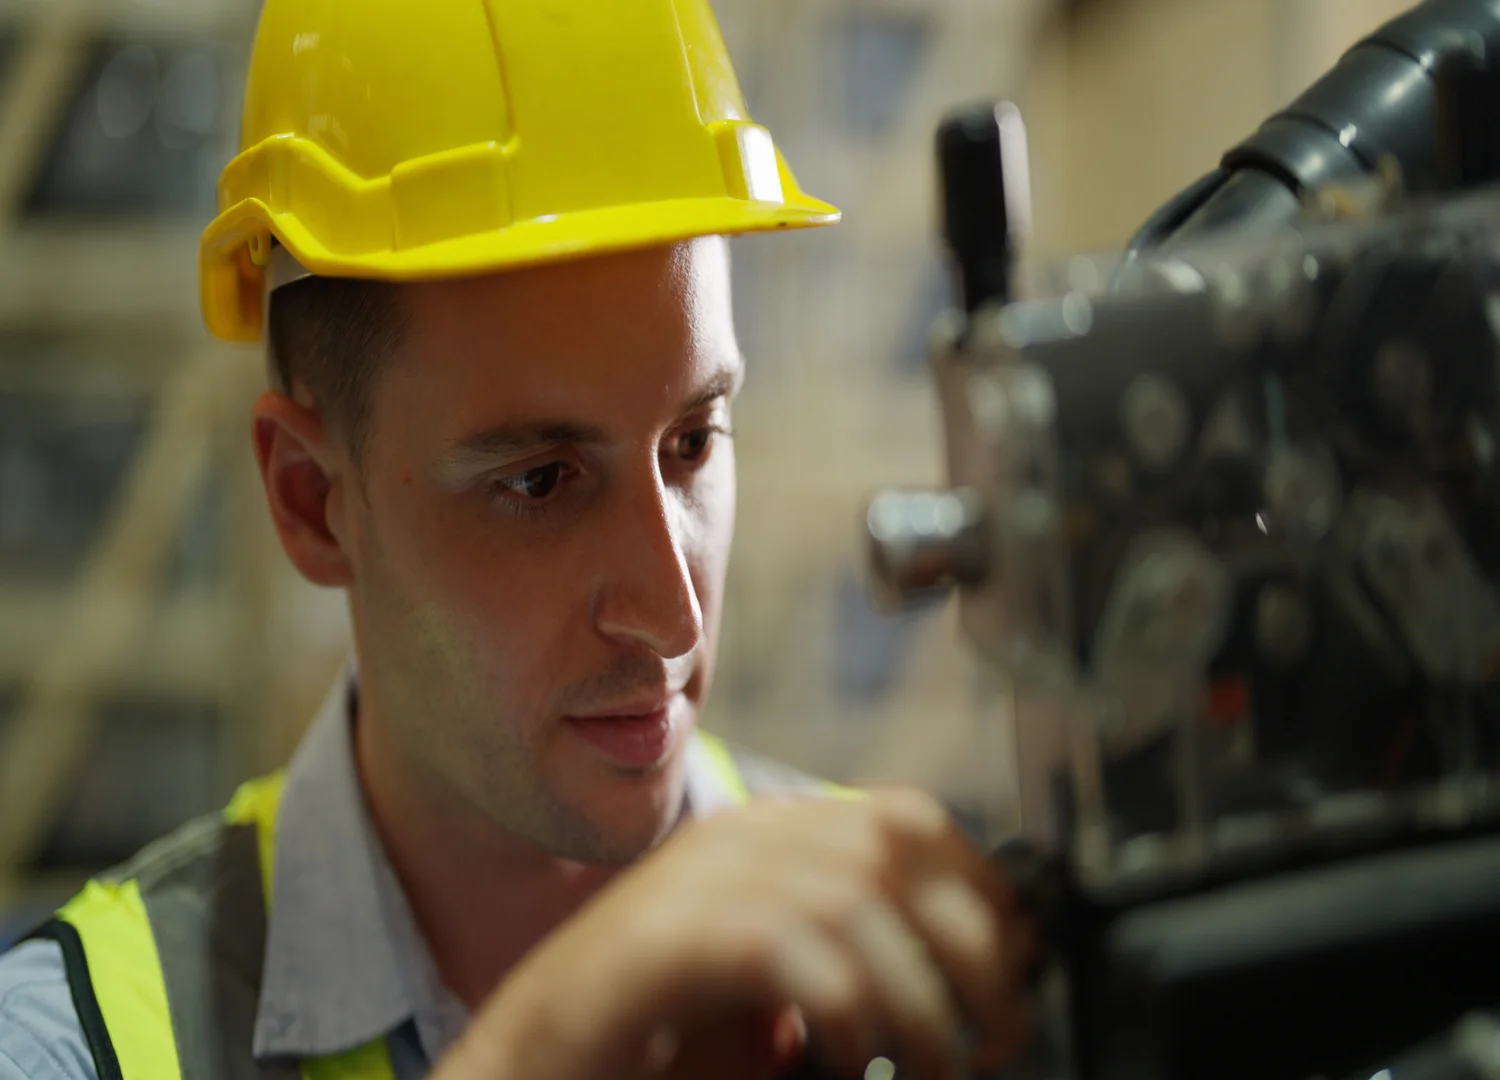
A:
692, 445
535, 484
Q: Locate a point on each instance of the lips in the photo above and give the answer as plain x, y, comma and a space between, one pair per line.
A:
633, 736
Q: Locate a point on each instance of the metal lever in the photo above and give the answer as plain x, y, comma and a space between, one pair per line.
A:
986, 184
922, 544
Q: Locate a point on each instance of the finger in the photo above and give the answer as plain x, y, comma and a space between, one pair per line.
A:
660, 1052
789, 1037
963, 908
824, 980
914, 819
739, 1045
928, 835
927, 842
918, 1016
1004, 1045
988, 876
972, 945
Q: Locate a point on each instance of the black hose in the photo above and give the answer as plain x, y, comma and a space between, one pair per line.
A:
1165, 221
1380, 101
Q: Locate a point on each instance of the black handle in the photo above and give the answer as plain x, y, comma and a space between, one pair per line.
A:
986, 200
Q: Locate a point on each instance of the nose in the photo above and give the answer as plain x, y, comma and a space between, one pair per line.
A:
647, 597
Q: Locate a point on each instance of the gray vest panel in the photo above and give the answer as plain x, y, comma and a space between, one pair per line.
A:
203, 894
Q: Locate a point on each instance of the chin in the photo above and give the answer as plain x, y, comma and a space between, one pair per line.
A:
619, 843
620, 816
642, 810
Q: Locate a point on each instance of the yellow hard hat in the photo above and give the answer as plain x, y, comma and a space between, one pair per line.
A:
405, 140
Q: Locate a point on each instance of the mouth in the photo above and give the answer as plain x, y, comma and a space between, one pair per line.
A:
634, 735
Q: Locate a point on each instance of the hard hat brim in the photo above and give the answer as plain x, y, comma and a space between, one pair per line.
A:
233, 278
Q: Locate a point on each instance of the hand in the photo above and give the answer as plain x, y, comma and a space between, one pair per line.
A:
871, 920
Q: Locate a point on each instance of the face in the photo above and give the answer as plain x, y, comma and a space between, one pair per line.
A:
537, 556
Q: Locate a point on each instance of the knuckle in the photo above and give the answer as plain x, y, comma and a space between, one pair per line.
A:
828, 986
844, 992
753, 952
868, 858
916, 815
839, 902
956, 914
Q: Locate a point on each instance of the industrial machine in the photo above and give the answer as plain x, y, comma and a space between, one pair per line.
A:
1224, 515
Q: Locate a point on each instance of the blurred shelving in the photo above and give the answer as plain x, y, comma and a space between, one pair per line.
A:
133, 568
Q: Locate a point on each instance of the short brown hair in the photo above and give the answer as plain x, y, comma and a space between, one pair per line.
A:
333, 335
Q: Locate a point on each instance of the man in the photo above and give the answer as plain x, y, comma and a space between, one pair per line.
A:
483, 242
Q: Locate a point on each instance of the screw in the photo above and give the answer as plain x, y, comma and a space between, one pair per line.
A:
1283, 625
1155, 416
1236, 318
1481, 443
1114, 477
1302, 493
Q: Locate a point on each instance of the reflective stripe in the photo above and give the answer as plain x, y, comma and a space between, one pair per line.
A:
369, 1062
258, 802
127, 979
838, 791
726, 772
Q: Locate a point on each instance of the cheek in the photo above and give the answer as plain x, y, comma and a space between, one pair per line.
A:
488, 592
713, 511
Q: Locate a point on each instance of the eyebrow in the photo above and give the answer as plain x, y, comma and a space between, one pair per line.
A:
724, 384
514, 441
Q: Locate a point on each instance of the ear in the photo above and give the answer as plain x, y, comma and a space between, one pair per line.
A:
303, 478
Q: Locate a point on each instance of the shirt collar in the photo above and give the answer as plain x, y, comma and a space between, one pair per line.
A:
345, 962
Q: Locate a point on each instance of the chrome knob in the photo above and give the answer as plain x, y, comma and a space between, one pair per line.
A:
924, 543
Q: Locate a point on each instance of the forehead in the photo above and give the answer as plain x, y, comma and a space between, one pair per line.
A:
614, 334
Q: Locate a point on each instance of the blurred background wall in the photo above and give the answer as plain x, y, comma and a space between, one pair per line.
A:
154, 647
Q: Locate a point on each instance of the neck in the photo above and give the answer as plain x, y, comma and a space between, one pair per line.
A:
481, 897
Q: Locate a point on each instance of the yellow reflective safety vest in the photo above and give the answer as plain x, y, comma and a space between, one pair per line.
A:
164, 956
